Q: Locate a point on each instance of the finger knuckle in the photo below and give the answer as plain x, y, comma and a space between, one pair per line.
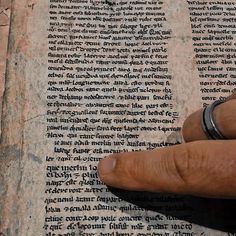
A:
128, 166
186, 163
137, 166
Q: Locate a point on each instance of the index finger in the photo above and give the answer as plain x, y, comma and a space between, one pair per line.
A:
202, 168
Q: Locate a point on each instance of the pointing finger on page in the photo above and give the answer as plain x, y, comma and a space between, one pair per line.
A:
203, 168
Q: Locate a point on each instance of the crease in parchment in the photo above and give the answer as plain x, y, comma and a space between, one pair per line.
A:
12, 125
5, 73
5, 10
4, 19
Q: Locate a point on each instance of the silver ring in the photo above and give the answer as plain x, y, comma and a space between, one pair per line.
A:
208, 122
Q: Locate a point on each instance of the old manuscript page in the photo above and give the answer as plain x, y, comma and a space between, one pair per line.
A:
88, 78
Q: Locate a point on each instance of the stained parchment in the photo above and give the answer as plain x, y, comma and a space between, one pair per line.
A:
48, 182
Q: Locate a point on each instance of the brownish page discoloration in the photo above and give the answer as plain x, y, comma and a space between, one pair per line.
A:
11, 89
20, 182
5, 11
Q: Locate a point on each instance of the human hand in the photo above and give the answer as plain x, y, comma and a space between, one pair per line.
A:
198, 167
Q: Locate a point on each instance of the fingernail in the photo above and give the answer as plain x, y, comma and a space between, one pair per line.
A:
107, 165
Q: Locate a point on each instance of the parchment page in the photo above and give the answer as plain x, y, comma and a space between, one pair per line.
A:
86, 79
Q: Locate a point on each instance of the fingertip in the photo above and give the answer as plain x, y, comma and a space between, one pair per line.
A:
106, 166
192, 128
185, 131
232, 96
